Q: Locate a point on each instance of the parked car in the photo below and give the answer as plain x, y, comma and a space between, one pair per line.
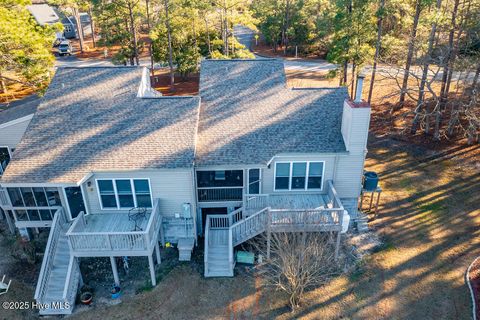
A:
65, 47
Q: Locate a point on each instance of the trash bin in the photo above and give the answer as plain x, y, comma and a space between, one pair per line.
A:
370, 181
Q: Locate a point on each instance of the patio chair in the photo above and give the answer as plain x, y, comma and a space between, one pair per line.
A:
4, 286
137, 214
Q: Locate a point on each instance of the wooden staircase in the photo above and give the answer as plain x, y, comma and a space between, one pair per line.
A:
59, 277
223, 233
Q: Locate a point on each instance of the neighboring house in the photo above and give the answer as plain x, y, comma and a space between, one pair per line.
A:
48, 15
14, 121
246, 156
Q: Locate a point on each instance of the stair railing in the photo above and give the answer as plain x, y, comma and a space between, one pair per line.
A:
58, 220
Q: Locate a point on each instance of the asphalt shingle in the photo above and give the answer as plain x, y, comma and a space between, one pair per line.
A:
91, 120
248, 115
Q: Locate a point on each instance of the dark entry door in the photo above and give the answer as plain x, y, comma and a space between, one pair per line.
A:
75, 200
206, 211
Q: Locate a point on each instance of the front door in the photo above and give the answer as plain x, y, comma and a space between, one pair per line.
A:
75, 201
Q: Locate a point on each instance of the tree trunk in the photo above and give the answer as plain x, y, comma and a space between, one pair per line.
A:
345, 72
92, 26
170, 50
3, 86
448, 59
426, 65
411, 49
133, 32
377, 49
352, 93
208, 35
76, 15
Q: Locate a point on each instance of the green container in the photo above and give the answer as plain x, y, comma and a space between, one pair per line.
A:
245, 257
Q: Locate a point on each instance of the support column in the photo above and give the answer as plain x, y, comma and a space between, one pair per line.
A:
77, 261
152, 270
269, 233
337, 246
115, 271
157, 251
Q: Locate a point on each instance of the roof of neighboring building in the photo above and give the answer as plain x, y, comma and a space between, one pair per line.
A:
91, 120
18, 109
248, 115
43, 14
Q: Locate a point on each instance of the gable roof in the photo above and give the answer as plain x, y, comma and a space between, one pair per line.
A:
248, 115
43, 14
18, 109
91, 120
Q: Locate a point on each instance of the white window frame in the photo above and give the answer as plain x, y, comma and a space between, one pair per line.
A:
290, 176
259, 180
116, 192
9, 153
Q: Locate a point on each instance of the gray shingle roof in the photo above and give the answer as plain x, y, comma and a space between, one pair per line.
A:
18, 109
91, 120
248, 115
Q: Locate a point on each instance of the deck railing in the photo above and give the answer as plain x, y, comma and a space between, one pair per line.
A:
82, 241
256, 201
220, 194
4, 199
59, 220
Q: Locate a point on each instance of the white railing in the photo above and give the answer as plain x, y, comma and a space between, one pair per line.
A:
249, 227
205, 255
72, 280
4, 199
333, 196
256, 201
220, 194
219, 221
84, 241
305, 218
57, 229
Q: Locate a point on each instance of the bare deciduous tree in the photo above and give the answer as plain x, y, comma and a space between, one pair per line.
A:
297, 262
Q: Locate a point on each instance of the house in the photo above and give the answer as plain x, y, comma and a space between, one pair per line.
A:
14, 120
45, 14
113, 168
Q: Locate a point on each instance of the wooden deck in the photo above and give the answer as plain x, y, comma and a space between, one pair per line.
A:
112, 222
298, 201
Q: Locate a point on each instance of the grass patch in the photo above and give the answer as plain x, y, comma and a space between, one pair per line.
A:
433, 207
386, 246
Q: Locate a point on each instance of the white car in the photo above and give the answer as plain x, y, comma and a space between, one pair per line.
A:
65, 47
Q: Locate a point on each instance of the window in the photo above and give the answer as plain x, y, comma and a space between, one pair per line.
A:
107, 194
282, 176
253, 181
315, 173
124, 193
142, 193
29, 200
299, 175
34, 197
219, 175
219, 178
4, 158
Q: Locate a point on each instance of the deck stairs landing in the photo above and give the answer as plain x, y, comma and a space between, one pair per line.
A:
59, 277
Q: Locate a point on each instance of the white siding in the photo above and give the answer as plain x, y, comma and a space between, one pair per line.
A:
10, 135
344, 169
355, 124
172, 187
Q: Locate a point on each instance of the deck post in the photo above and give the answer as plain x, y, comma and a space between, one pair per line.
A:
152, 270
115, 271
157, 251
269, 232
337, 245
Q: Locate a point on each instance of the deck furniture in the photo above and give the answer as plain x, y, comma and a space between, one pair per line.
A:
4, 286
137, 214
